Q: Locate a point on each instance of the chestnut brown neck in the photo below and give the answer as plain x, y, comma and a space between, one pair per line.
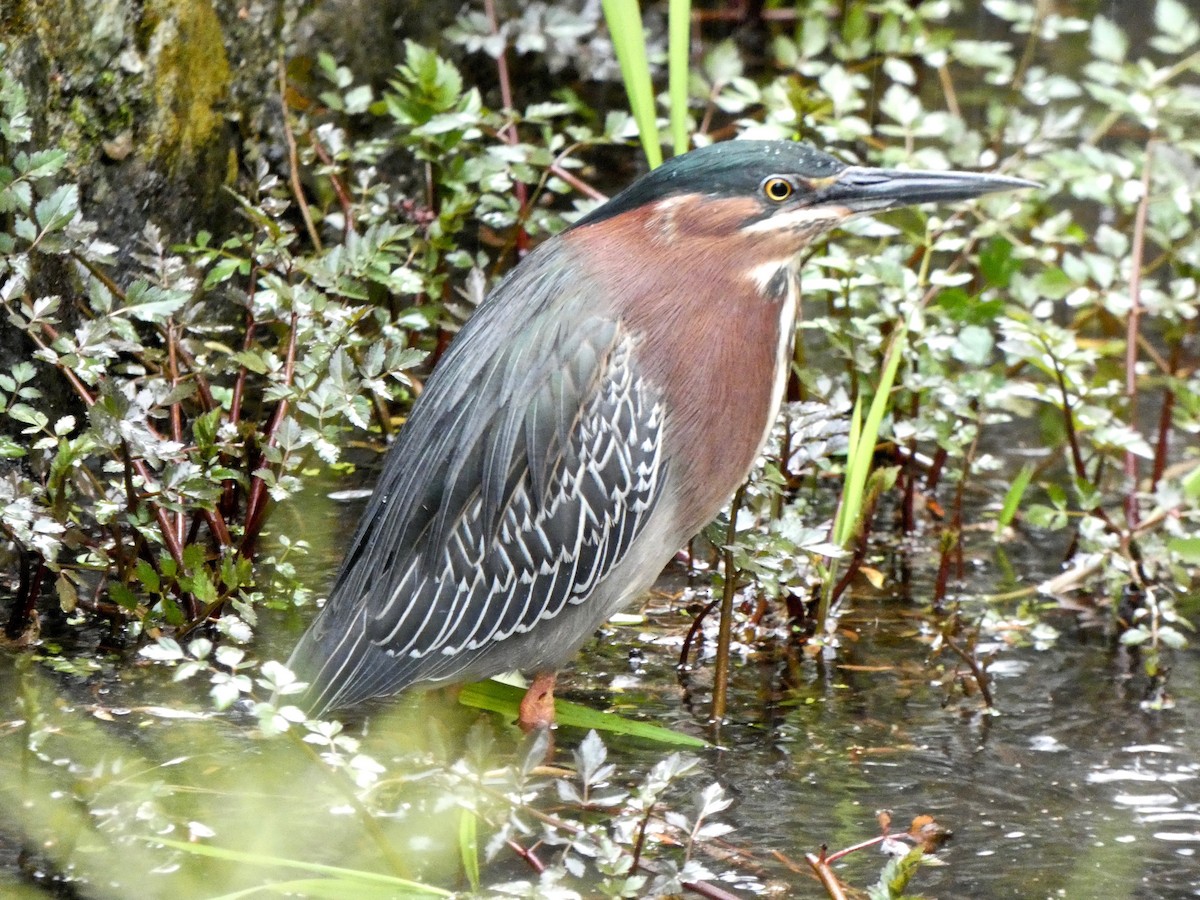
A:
720, 388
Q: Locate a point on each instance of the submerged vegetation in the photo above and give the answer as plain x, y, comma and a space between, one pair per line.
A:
1045, 351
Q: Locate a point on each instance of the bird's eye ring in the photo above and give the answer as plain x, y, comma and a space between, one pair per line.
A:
777, 189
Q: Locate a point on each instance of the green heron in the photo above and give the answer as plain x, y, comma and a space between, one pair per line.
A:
596, 411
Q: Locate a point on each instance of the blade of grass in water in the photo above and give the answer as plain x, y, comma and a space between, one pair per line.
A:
506, 699
862, 445
468, 847
859, 455
1012, 500
624, 19
402, 886
678, 51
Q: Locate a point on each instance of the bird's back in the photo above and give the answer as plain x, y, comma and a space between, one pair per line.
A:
528, 467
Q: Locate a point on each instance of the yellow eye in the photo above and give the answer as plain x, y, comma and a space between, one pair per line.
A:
777, 189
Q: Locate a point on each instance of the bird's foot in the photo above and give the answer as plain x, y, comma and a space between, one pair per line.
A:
537, 706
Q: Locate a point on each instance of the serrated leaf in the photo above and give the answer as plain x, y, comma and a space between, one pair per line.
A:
147, 577
55, 211
41, 163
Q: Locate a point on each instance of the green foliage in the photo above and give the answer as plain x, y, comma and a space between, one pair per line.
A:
894, 879
233, 367
1019, 306
624, 19
458, 793
506, 699
218, 375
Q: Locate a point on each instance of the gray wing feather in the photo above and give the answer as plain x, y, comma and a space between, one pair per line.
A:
524, 474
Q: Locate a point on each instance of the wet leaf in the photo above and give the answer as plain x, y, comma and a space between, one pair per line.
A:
506, 699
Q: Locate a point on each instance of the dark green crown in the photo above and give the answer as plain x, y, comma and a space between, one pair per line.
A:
730, 168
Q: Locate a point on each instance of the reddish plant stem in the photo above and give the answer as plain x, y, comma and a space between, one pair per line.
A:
641, 838
207, 403
1162, 444
256, 504
956, 523
579, 184
294, 164
694, 631
1132, 333
870, 842
190, 604
339, 187
741, 12
228, 504
1073, 442
160, 514
216, 524
720, 692
176, 410
981, 678
28, 591
509, 131
826, 876
239, 386
949, 539
1068, 419
528, 855
711, 891
934, 475
908, 516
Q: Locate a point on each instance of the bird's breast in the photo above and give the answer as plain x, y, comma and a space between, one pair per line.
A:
714, 339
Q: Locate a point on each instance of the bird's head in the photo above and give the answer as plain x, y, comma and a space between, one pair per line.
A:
776, 197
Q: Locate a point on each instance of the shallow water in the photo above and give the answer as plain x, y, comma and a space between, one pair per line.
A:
1070, 789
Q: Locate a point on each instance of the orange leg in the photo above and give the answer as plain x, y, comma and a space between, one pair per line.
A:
537, 706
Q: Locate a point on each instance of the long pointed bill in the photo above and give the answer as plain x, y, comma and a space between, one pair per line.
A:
870, 190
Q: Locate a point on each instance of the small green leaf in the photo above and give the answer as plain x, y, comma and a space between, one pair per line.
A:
968, 309
193, 556
68, 597
41, 163
147, 577
468, 847
1012, 499
1186, 548
1135, 636
122, 596
1108, 41
996, 262
59, 208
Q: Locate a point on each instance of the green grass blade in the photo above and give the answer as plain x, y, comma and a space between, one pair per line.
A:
1012, 500
322, 889
506, 699
468, 847
413, 888
847, 510
678, 53
864, 448
624, 19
